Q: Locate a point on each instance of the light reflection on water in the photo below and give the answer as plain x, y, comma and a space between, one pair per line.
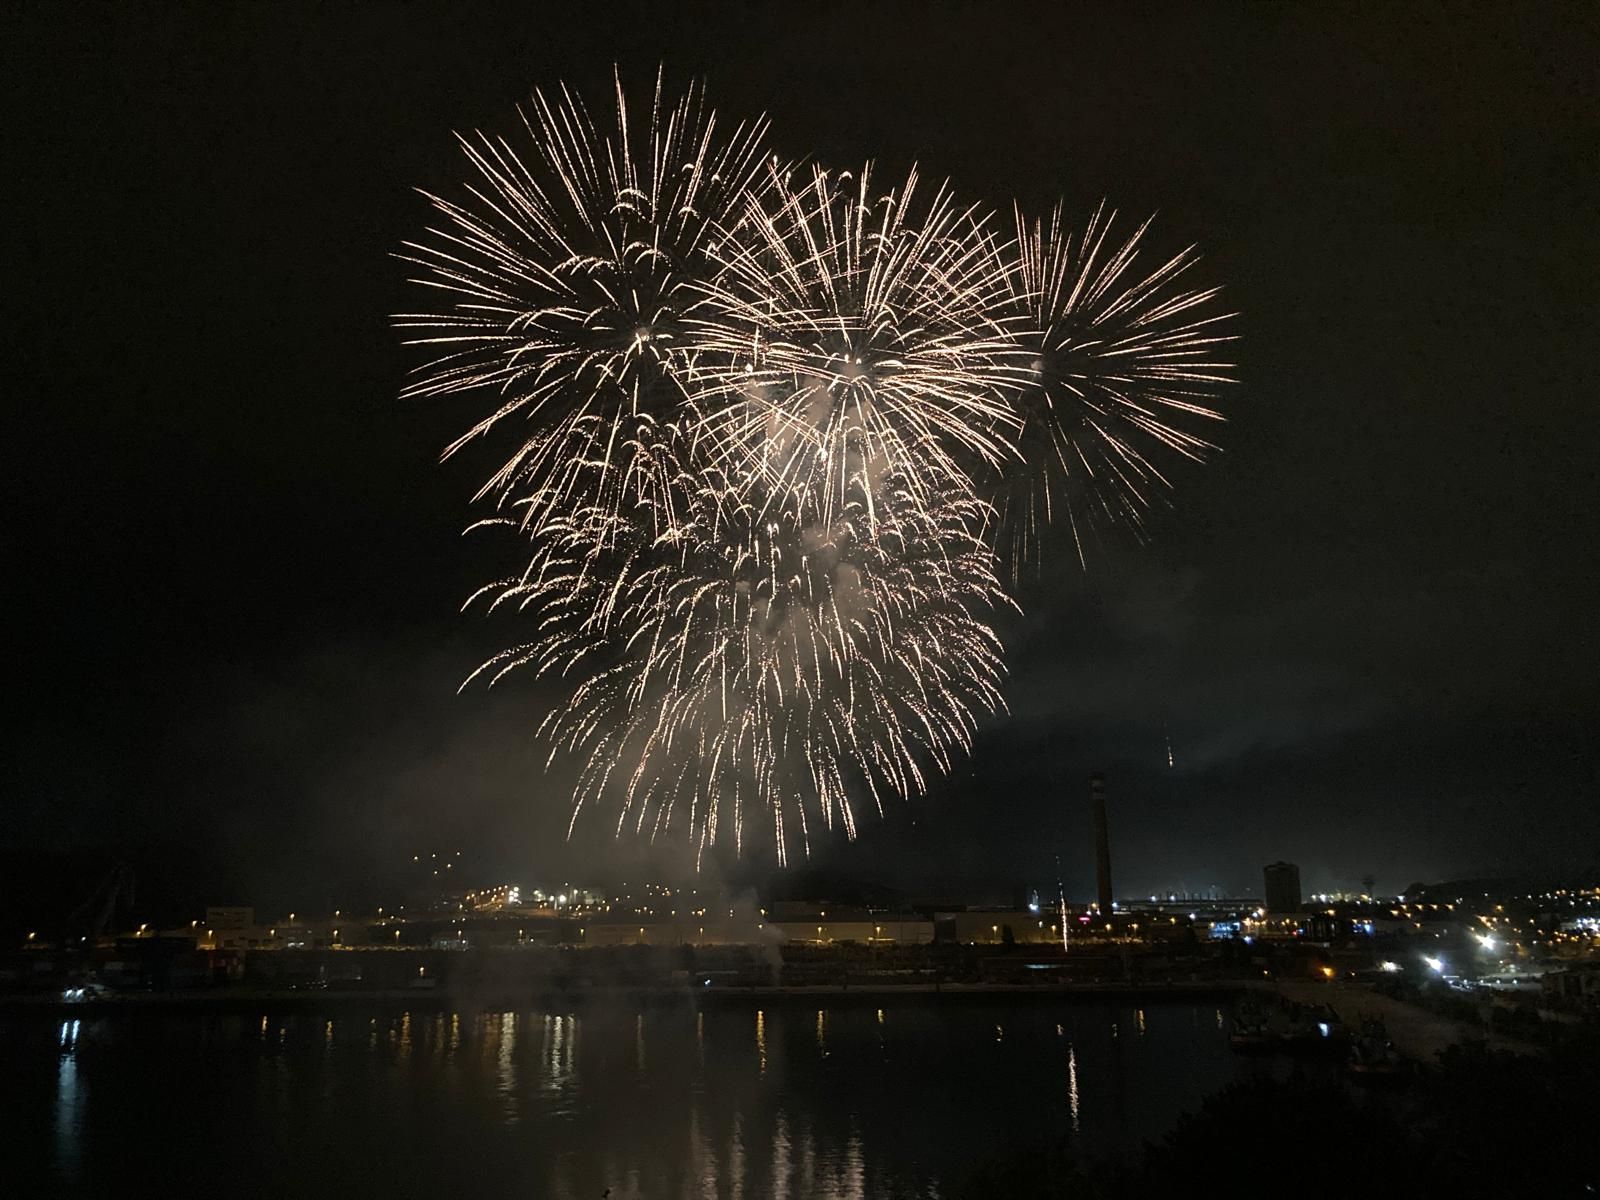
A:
843, 1103
1072, 1086
780, 1157
505, 1072
67, 1100
736, 1167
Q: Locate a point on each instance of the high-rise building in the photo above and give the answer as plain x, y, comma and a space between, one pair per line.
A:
1102, 842
1282, 883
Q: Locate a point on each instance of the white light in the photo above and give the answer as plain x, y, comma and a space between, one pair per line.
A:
1390, 966
1486, 941
1436, 964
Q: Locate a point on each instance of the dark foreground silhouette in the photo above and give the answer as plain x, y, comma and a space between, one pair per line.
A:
1481, 1125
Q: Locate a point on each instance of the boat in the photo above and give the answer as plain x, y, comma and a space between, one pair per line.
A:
1373, 1057
1310, 1029
1248, 1033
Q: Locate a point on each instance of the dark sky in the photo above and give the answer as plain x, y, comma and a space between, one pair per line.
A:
232, 559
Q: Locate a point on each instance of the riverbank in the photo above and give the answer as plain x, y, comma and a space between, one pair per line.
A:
1418, 1034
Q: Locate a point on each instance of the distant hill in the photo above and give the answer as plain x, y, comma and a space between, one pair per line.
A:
1452, 890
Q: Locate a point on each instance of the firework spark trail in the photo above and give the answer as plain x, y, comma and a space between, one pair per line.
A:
1121, 364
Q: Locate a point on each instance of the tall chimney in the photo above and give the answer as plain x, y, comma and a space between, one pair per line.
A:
1102, 842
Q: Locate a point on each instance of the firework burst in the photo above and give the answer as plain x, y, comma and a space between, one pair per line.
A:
1122, 367
848, 336
564, 286
755, 663
759, 411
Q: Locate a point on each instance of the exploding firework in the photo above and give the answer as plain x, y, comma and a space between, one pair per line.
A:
849, 336
794, 611
756, 663
758, 415
565, 286
1122, 366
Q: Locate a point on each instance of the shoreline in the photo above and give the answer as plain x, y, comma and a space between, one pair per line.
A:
492, 999
1417, 1033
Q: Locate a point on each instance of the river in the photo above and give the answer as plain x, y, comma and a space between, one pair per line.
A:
783, 1101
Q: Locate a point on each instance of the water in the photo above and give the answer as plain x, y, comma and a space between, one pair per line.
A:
787, 1101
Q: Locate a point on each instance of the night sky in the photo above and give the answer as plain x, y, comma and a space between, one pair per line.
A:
1368, 627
